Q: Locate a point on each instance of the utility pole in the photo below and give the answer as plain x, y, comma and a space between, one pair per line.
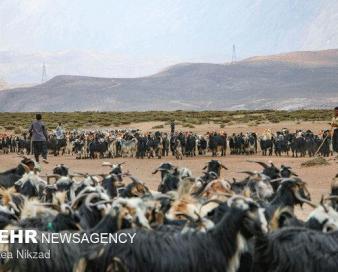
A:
44, 73
234, 56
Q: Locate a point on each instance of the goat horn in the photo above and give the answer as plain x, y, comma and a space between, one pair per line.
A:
322, 204
79, 175
224, 194
300, 198
53, 176
78, 199
199, 218
332, 197
66, 207
188, 217
264, 165
13, 206
275, 180
306, 189
51, 205
101, 202
250, 173
89, 198
219, 202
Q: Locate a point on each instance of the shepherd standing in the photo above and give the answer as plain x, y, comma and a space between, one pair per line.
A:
39, 138
334, 125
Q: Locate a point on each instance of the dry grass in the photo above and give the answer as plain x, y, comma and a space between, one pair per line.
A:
318, 161
189, 119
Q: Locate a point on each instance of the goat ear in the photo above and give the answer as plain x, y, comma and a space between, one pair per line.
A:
159, 217
224, 167
205, 167
246, 192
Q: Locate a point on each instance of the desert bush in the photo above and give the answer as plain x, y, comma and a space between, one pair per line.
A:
188, 125
18, 130
158, 127
82, 119
9, 127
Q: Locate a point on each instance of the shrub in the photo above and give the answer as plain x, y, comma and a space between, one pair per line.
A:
18, 130
158, 127
9, 127
188, 126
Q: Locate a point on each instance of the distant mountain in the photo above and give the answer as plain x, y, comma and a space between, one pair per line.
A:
304, 58
286, 81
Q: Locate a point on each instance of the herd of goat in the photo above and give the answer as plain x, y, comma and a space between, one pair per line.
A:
206, 223
133, 143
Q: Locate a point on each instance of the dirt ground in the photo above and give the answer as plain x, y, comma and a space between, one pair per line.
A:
315, 126
318, 178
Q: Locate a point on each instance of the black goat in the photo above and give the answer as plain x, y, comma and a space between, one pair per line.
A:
9, 177
61, 170
269, 170
63, 256
290, 193
214, 166
169, 182
164, 168
136, 188
109, 184
187, 252
296, 249
286, 172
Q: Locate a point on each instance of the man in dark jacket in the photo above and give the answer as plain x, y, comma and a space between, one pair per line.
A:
172, 126
39, 138
334, 125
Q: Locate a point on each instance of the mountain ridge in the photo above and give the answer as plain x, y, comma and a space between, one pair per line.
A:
286, 81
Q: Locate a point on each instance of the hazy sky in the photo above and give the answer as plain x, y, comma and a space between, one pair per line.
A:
174, 30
